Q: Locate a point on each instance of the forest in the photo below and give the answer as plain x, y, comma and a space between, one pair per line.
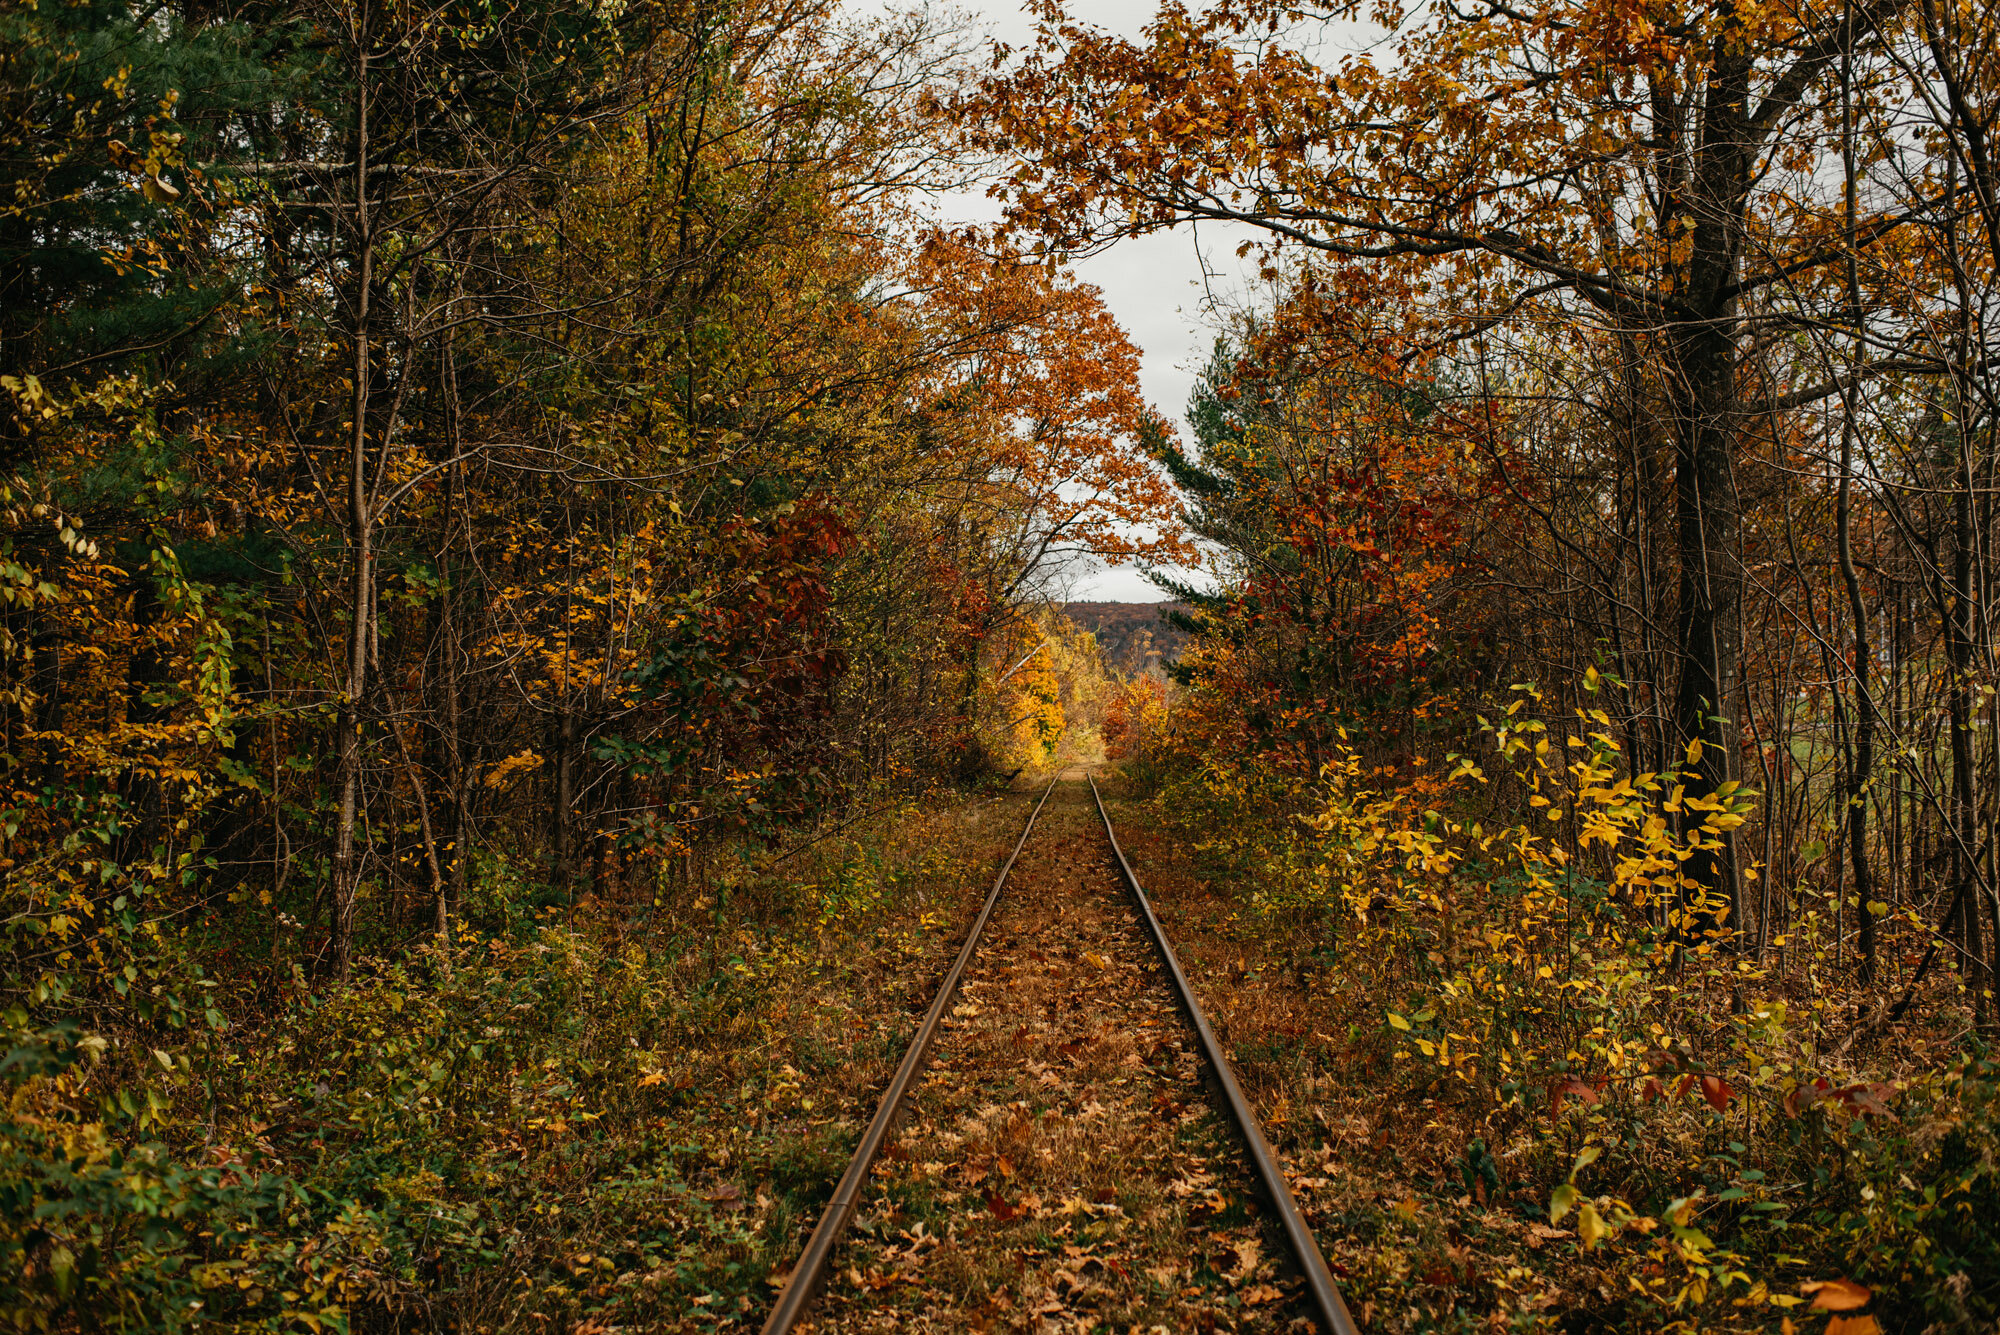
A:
536, 554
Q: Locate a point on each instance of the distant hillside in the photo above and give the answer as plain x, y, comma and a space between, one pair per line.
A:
1133, 636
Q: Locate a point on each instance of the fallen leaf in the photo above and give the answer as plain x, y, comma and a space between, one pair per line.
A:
1853, 1325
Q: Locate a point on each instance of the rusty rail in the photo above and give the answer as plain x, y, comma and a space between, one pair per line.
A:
809, 1274
1332, 1312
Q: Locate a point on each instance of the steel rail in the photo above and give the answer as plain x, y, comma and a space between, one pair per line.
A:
1333, 1316
809, 1274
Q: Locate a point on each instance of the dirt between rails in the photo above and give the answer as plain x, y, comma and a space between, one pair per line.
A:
1063, 1165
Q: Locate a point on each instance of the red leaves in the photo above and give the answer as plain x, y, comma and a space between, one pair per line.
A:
1869, 1099
1717, 1091
1003, 1209
1803, 1096
1569, 1085
1866, 1100
1031, 345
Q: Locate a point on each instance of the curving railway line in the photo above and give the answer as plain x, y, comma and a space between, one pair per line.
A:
1318, 1297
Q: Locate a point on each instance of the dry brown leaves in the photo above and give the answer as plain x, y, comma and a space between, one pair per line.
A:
1061, 1167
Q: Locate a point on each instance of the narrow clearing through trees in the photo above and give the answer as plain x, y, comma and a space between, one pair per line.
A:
1061, 1162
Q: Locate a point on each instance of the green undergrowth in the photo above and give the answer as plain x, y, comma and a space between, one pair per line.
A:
1591, 1136
579, 1119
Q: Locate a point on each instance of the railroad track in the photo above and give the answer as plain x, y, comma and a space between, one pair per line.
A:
809, 1275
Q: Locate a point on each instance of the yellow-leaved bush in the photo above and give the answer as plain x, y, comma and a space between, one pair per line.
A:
1563, 979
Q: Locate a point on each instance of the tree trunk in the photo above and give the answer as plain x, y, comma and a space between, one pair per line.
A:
1702, 380
562, 857
1711, 588
147, 672
1960, 624
1862, 766
347, 730
45, 681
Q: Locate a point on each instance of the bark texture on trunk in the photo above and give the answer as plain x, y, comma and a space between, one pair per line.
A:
359, 520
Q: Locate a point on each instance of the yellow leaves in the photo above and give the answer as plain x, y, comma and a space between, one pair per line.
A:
502, 775
1590, 1225
1396, 1021
30, 399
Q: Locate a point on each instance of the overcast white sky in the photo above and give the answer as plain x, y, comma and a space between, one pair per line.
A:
1164, 289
